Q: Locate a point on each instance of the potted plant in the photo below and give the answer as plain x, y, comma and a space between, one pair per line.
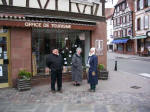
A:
102, 72
24, 80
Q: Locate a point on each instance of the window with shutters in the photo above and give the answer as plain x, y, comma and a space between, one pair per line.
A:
139, 24
146, 22
138, 5
145, 3
128, 18
149, 3
123, 6
141, 4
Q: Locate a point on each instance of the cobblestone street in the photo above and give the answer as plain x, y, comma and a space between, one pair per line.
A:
113, 95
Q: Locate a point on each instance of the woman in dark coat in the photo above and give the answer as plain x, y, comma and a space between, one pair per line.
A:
92, 76
77, 68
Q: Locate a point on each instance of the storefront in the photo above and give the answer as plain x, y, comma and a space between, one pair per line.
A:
26, 39
143, 45
124, 46
66, 40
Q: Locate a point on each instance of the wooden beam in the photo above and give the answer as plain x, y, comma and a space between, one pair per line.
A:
78, 7
11, 2
69, 5
96, 9
46, 4
4, 2
91, 10
56, 4
84, 8
27, 3
39, 2
103, 9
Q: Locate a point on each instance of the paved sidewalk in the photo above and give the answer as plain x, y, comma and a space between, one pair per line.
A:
113, 95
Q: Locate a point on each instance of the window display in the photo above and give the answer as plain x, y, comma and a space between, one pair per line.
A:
65, 40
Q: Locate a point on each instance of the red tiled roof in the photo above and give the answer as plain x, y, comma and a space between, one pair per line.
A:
109, 12
129, 2
119, 1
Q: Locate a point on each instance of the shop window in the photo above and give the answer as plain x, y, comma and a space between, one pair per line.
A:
129, 47
146, 22
120, 47
138, 24
65, 40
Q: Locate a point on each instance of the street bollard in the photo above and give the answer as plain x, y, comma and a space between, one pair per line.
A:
115, 66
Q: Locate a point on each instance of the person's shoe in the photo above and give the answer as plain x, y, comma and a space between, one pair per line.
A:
90, 90
60, 91
74, 84
77, 84
53, 91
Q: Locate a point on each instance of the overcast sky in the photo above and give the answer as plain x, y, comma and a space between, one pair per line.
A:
109, 3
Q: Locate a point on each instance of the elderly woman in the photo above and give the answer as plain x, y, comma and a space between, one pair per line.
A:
92, 76
77, 67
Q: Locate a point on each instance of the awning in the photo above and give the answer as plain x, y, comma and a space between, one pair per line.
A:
140, 37
120, 41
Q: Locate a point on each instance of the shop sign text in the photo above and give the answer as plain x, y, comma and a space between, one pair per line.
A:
46, 25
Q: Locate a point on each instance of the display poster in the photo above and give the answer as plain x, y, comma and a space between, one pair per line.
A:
1, 71
34, 64
1, 61
0, 49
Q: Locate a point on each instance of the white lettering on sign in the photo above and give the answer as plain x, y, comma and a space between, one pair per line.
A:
61, 26
46, 25
29, 24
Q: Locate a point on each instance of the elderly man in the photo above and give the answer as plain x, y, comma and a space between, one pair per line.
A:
54, 63
77, 67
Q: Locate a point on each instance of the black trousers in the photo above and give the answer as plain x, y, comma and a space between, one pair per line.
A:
56, 76
93, 86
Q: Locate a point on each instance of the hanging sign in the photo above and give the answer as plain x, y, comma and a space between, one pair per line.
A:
87, 2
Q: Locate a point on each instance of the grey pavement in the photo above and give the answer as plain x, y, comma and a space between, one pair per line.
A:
132, 64
122, 92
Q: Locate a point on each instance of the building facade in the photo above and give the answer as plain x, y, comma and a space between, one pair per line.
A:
30, 28
142, 26
109, 14
123, 27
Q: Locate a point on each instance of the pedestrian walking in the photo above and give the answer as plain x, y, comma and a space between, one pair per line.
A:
92, 73
77, 67
54, 63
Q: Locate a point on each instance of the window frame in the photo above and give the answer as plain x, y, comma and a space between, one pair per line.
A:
145, 22
138, 24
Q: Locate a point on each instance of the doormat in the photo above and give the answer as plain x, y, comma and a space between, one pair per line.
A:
135, 87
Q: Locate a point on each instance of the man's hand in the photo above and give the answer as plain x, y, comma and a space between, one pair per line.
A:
47, 70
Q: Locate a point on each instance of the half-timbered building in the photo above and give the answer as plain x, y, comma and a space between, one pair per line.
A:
30, 28
123, 27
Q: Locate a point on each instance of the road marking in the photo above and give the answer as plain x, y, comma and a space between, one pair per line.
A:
145, 74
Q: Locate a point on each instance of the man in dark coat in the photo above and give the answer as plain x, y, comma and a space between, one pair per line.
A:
54, 63
93, 76
77, 68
